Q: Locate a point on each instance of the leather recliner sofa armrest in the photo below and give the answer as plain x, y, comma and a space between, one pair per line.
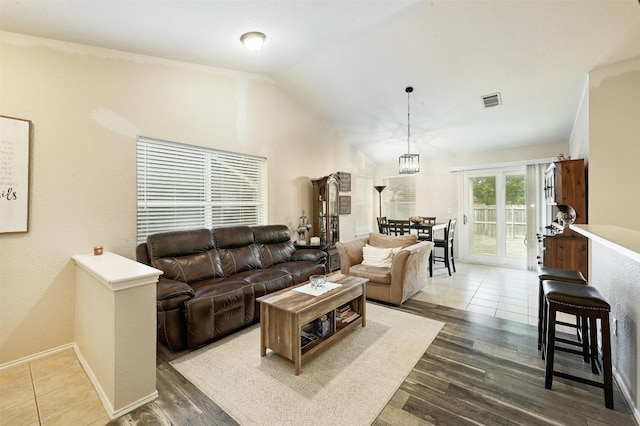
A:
310, 255
142, 254
169, 289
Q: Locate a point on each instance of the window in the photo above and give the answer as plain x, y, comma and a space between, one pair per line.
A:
363, 187
185, 187
399, 198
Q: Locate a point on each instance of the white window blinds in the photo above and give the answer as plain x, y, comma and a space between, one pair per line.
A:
186, 187
399, 198
363, 207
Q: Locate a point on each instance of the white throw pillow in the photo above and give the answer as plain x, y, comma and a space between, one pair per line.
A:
379, 257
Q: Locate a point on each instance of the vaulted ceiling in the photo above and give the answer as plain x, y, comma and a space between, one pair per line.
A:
349, 61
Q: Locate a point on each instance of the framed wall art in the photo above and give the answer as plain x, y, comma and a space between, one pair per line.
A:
15, 135
345, 204
345, 182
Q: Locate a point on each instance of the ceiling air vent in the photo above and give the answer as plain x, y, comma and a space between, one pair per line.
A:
489, 101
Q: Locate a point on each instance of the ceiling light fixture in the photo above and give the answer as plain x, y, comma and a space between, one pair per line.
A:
253, 40
409, 163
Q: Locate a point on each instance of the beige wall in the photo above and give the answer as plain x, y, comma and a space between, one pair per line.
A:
88, 106
438, 186
612, 133
614, 148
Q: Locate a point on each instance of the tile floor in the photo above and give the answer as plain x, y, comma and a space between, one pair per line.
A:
491, 290
53, 390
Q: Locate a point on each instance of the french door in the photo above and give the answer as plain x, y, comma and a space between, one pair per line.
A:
494, 217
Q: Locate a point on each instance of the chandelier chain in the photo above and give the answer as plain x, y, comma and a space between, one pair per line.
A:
408, 121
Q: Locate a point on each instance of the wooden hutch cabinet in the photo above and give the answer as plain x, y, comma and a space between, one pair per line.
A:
565, 185
325, 217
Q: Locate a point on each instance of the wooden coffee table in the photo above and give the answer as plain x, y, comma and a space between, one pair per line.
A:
285, 314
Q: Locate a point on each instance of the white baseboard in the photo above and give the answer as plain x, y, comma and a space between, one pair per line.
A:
106, 403
627, 396
111, 412
38, 355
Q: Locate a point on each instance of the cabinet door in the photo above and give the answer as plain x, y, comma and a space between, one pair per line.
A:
566, 253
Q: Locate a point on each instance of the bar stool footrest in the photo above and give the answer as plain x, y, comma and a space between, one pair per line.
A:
578, 379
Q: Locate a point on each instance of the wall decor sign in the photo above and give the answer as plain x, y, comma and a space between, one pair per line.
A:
345, 204
345, 181
14, 174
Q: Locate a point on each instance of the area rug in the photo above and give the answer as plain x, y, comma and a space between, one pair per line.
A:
348, 383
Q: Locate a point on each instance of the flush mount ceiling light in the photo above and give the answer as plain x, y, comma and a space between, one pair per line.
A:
253, 40
409, 163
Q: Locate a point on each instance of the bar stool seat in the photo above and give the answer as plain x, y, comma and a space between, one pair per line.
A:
586, 302
557, 274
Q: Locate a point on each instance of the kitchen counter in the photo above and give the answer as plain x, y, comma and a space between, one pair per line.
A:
623, 240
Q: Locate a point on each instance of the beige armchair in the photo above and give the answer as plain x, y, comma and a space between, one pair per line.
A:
407, 274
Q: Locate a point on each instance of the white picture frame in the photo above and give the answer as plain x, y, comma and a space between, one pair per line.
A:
15, 137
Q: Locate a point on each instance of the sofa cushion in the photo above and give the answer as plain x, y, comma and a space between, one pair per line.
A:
237, 250
372, 273
187, 256
381, 257
192, 268
274, 244
179, 243
300, 270
265, 281
391, 241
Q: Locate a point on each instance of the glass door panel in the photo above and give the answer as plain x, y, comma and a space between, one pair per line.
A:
515, 216
483, 223
495, 222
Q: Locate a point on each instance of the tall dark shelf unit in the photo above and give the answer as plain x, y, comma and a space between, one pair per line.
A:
325, 218
566, 184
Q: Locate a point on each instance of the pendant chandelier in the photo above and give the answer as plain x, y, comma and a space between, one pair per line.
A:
409, 163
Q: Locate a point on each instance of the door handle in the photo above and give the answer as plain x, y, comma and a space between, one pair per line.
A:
464, 219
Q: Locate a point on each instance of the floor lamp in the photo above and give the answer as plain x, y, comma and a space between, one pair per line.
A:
380, 188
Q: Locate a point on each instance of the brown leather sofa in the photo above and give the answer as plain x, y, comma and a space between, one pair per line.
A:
212, 278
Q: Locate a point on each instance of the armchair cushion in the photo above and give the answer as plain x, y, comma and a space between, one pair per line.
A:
377, 274
392, 241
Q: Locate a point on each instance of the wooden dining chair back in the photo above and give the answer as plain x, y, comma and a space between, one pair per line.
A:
429, 220
446, 245
399, 227
424, 233
383, 225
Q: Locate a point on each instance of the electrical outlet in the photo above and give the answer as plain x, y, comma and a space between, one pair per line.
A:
449, 210
615, 327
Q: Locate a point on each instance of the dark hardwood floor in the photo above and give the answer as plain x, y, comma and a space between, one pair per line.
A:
479, 370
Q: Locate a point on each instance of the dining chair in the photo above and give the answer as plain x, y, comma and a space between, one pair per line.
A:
446, 245
399, 227
431, 220
383, 225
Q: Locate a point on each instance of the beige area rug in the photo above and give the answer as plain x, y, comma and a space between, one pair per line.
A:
348, 383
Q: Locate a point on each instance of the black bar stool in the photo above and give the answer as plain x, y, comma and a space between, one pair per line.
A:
586, 302
556, 274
